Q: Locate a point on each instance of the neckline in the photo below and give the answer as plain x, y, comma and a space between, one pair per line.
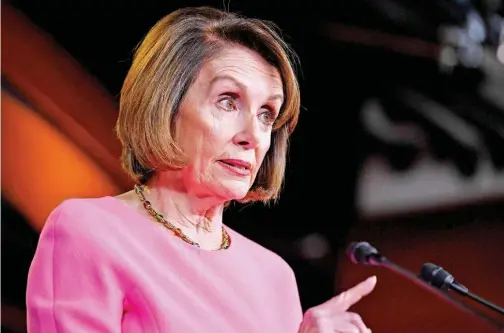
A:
230, 232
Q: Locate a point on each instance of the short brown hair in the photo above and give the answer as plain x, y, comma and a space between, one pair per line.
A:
167, 63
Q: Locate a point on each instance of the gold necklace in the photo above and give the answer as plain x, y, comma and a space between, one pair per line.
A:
139, 189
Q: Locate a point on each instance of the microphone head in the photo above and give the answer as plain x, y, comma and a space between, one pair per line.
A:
362, 253
436, 276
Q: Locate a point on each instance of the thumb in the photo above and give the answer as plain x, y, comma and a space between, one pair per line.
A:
346, 299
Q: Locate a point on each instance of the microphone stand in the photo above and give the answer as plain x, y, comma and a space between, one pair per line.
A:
482, 301
379, 260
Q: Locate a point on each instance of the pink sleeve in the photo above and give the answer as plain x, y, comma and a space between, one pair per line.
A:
72, 286
294, 300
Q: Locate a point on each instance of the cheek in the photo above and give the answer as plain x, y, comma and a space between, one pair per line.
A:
206, 144
213, 136
263, 148
198, 137
188, 140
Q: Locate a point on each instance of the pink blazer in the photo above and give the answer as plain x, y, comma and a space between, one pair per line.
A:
102, 267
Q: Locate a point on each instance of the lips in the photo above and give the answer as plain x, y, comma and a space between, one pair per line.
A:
237, 163
237, 167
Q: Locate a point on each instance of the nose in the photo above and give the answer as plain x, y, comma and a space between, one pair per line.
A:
249, 136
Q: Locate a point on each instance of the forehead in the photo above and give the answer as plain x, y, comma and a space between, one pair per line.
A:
245, 65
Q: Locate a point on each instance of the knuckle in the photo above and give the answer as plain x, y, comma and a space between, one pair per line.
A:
316, 313
355, 317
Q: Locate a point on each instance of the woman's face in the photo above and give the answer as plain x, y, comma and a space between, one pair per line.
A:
224, 123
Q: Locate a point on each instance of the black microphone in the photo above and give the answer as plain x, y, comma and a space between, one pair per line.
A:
440, 278
363, 253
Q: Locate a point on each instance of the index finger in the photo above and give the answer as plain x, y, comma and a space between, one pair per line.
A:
351, 296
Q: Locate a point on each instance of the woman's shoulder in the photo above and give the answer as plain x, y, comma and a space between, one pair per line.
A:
79, 203
83, 208
83, 217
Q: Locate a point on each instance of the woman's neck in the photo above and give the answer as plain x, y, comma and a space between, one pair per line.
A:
200, 219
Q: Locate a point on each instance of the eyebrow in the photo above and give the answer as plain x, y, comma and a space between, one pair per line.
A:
241, 85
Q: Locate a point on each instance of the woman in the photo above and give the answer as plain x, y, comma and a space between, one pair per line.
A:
205, 113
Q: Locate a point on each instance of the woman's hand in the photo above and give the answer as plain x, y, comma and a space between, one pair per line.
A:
333, 317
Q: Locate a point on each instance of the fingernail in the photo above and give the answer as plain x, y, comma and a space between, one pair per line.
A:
372, 278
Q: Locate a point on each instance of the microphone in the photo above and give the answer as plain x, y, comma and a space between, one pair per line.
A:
363, 253
441, 279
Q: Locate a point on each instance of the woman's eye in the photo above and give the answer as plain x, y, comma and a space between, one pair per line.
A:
268, 117
227, 103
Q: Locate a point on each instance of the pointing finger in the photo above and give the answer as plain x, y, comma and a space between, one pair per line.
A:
351, 296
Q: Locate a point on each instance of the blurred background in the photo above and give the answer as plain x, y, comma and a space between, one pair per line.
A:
400, 141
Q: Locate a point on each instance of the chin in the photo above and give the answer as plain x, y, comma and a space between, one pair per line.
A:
233, 190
